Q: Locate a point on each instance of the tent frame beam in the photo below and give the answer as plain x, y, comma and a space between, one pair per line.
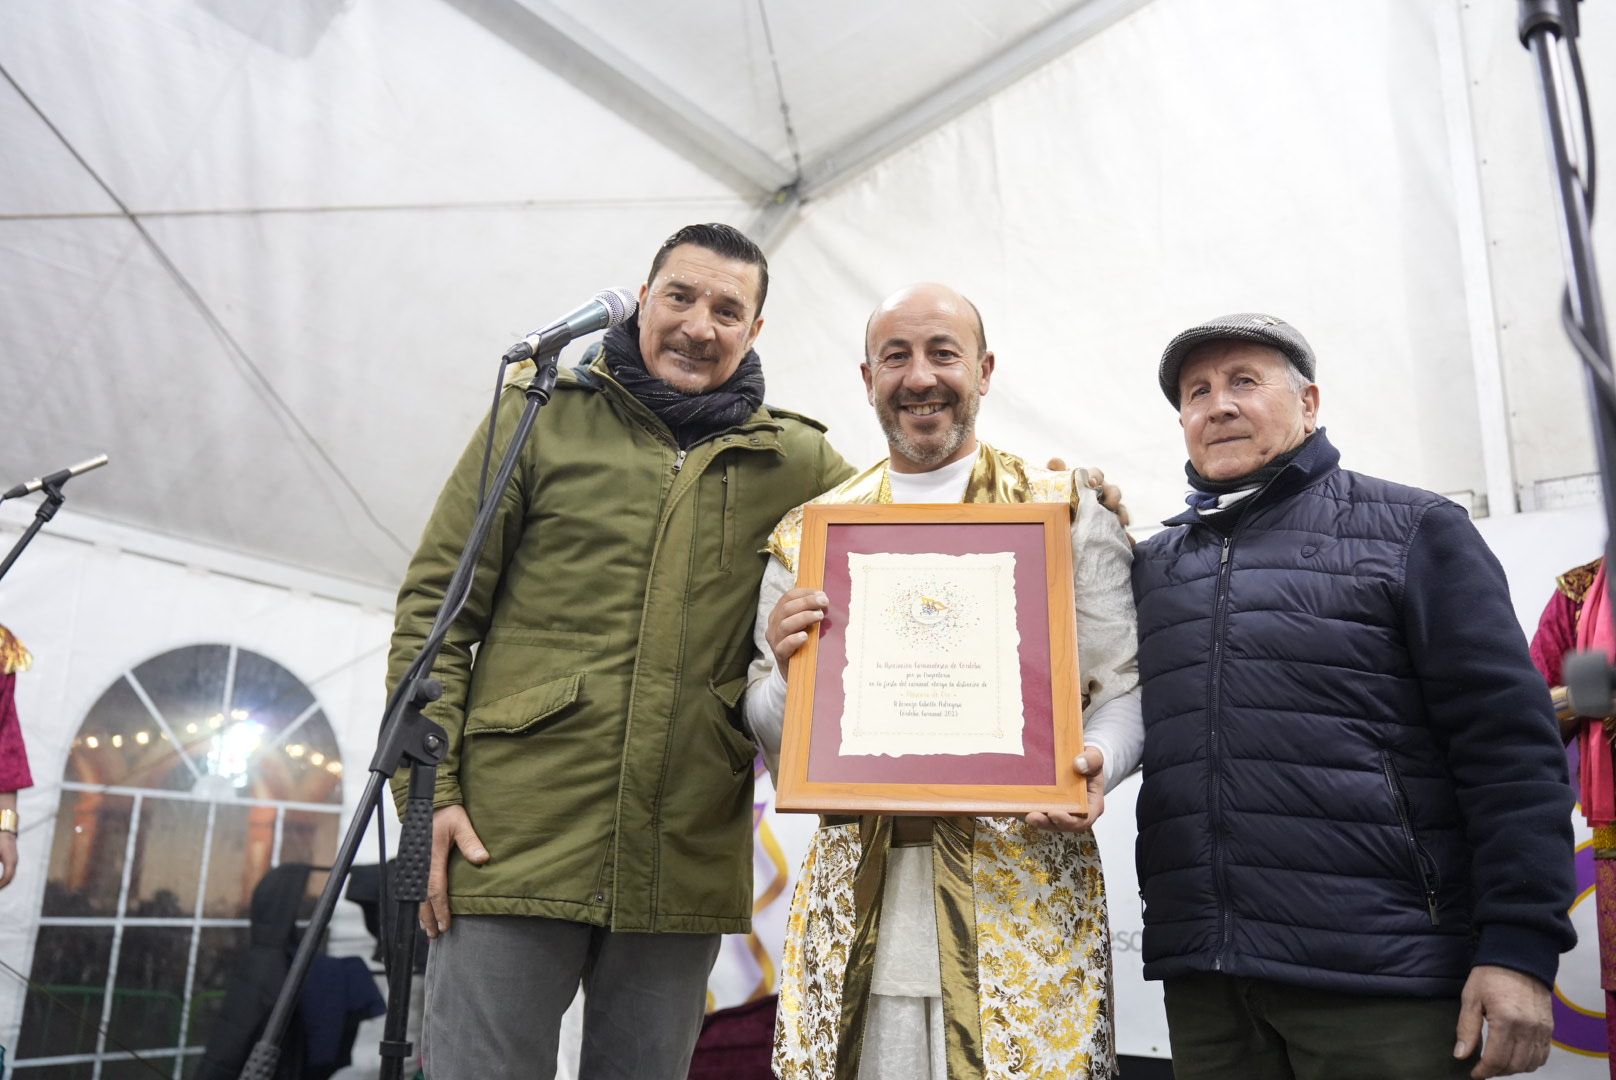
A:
898, 129
594, 65
1481, 310
909, 123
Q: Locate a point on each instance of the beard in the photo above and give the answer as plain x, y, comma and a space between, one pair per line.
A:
928, 451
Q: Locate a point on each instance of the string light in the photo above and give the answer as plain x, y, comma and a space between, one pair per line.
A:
240, 741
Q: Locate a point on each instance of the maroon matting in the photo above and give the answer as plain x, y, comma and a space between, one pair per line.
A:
1037, 765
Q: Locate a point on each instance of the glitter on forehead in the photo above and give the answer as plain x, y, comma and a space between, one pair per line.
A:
673, 278
712, 282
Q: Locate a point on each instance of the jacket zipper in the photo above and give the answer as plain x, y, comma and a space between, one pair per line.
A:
726, 550
1415, 855
1220, 611
1220, 608
614, 848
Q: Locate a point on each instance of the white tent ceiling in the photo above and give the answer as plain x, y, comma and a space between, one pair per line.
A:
271, 272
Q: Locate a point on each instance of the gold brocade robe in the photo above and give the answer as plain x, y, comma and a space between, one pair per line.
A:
1023, 938
13, 657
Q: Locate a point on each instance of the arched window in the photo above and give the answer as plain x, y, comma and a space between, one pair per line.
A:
190, 777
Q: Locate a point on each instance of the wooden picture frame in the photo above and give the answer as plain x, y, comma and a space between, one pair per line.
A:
815, 776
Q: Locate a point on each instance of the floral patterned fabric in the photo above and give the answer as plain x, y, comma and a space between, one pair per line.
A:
819, 937
1042, 951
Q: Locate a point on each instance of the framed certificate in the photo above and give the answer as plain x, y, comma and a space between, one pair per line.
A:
943, 678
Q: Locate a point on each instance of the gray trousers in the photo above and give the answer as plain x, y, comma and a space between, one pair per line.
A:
496, 987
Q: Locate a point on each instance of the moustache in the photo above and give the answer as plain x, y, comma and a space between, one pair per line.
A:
939, 396
690, 349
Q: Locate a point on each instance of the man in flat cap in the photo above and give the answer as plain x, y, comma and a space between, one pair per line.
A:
1354, 829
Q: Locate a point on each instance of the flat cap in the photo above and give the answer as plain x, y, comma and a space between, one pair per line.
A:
1247, 326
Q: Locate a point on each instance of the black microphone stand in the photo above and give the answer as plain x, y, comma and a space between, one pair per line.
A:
47, 510
407, 737
1544, 26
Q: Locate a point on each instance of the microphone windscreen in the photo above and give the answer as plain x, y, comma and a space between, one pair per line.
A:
619, 305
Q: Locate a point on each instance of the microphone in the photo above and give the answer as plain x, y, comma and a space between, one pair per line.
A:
55, 479
608, 308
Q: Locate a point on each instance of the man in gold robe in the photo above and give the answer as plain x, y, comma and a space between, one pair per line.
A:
925, 948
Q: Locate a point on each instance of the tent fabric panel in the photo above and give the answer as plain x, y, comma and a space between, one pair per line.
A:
408, 103
1089, 250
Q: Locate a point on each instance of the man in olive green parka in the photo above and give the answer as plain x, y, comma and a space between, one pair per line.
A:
592, 820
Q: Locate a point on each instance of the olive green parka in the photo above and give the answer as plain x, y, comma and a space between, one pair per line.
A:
595, 740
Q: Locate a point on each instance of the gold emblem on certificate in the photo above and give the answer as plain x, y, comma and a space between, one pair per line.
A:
929, 610
933, 653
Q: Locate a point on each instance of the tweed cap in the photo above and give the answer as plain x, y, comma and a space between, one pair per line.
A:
1247, 326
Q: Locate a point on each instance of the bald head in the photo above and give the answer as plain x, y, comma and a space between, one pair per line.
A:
927, 297
926, 368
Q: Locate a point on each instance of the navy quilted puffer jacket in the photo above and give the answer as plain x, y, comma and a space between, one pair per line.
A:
1353, 779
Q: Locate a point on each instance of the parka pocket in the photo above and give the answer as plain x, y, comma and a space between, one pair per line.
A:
518, 712
1420, 861
742, 751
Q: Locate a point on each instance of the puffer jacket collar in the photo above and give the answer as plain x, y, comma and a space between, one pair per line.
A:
1317, 460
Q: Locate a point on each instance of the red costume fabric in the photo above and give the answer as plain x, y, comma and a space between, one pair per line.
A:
1578, 617
1556, 636
1595, 768
14, 774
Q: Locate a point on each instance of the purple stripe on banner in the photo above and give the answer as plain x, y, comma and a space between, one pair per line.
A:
1573, 1029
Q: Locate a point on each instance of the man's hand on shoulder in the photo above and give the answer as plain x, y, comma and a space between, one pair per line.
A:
1090, 764
1110, 495
451, 829
788, 626
1519, 1019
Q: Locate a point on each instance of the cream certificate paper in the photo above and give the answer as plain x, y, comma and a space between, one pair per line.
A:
932, 648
